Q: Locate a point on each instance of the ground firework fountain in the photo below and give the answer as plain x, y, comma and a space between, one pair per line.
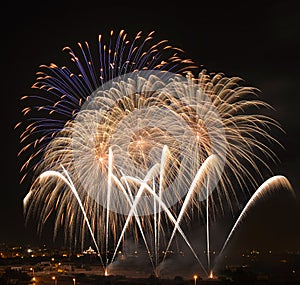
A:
132, 143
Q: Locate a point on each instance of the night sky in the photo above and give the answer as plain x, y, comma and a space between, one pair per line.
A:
258, 42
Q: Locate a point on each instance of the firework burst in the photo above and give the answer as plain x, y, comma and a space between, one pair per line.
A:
135, 121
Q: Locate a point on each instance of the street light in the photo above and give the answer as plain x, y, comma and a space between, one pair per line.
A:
54, 279
195, 279
74, 281
32, 269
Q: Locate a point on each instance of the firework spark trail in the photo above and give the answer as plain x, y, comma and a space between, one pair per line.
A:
109, 176
130, 200
137, 218
134, 205
164, 157
200, 176
277, 182
68, 181
207, 228
169, 214
156, 249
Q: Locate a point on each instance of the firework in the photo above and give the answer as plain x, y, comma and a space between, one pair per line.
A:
277, 182
129, 140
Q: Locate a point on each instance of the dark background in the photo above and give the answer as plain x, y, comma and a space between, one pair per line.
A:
258, 41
